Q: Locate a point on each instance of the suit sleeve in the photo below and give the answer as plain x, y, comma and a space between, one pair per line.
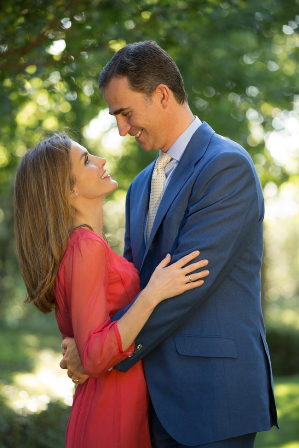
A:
222, 214
97, 338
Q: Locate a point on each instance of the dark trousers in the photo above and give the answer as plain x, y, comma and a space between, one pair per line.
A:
161, 439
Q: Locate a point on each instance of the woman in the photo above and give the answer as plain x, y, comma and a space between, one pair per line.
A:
68, 266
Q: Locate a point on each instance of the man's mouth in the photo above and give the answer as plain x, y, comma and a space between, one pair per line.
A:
138, 134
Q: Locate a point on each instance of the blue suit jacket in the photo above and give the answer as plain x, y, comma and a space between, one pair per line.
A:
205, 354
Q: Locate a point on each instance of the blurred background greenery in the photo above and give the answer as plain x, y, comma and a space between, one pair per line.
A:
239, 61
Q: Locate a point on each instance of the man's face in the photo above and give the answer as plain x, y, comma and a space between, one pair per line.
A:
137, 115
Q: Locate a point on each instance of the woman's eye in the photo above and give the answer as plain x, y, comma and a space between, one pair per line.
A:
86, 161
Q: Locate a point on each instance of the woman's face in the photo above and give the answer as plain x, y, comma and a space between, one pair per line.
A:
92, 179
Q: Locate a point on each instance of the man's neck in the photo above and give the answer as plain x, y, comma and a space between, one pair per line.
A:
180, 121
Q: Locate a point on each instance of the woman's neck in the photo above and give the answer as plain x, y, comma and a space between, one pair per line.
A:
93, 216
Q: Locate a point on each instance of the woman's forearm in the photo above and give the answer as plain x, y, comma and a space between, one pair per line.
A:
131, 323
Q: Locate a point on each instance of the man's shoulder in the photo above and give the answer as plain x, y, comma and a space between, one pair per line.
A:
223, 147
224, 153
225, 144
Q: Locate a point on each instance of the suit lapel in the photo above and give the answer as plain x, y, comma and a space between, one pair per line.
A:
191, 156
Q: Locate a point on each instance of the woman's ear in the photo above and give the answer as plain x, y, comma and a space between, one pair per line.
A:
74, 194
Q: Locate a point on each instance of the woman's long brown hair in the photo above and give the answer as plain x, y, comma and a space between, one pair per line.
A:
43, 216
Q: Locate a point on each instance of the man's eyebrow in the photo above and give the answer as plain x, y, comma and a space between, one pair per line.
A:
118, 111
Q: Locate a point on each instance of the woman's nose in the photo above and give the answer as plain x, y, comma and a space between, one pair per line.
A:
100, 161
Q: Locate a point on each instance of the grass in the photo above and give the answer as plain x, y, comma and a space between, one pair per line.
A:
21, 350
287, 400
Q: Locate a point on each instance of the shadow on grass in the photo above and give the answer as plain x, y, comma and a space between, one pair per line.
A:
47, 429
43, 430
287, 398
19, 348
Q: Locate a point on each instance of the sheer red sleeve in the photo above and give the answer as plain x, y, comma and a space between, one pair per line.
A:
97, 338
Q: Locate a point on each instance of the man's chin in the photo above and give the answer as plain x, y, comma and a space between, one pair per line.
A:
146, 147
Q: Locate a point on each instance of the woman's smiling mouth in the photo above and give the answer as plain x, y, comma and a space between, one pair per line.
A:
105, 175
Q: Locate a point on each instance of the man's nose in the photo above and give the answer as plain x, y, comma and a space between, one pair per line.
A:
123, 127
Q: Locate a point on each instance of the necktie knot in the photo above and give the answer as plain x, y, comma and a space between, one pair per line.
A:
162, 161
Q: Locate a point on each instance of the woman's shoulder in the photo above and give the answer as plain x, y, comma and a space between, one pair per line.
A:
84, 240
83, 233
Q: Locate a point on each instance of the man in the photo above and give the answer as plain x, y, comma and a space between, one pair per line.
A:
205, 354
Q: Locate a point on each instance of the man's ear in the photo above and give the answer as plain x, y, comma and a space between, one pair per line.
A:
163, 95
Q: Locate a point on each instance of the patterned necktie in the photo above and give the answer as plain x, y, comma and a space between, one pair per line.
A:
157, 186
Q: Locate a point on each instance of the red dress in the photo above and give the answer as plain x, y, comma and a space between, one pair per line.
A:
110, 410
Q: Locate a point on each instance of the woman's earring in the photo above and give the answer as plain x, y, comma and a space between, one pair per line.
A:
76, 194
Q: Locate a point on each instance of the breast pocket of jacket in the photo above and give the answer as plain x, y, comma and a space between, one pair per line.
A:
208, 346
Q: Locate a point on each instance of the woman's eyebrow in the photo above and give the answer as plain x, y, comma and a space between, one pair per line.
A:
84, 154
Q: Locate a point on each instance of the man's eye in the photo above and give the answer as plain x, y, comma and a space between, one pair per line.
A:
125, 114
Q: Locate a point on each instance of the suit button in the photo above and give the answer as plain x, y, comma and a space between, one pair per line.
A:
138, 347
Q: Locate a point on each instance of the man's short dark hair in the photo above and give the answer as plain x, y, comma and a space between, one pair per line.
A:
146, 65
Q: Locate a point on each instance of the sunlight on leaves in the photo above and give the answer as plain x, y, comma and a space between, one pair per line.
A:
50, 124
57, 47
116, 44
3, 156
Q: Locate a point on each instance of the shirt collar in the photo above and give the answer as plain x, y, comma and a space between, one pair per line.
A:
178, 147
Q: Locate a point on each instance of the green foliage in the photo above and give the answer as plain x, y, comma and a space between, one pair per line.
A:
238, 60
222, 49
283, 342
